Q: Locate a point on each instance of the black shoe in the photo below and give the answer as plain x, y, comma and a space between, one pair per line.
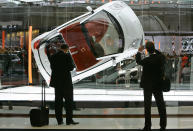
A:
162, 129
146, 129
60, 123
72, 122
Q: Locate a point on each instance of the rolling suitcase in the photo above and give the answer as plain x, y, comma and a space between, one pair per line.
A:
40, 116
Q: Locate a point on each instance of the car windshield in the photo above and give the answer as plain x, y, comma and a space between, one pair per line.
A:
103, 34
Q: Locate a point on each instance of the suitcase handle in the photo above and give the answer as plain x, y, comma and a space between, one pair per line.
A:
43, 93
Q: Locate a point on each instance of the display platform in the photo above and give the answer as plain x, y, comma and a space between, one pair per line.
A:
85, 97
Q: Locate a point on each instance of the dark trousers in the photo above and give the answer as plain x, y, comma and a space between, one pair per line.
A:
59, 96
158, 95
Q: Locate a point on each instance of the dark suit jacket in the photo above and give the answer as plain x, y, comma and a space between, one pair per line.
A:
61, 65
153, 70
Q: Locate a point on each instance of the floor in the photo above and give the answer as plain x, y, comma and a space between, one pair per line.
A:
17, 122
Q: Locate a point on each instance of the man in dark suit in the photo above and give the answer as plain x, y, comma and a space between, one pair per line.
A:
61, 65
152, 75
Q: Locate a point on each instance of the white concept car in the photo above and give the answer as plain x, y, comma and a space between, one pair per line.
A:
98, 40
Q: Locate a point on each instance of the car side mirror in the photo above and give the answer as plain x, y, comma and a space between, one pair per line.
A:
90, 9
114, 61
